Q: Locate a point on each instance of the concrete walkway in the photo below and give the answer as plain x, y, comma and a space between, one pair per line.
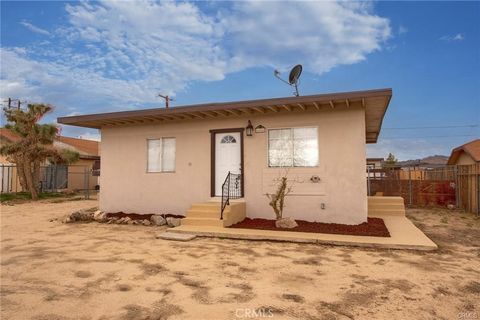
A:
403, 235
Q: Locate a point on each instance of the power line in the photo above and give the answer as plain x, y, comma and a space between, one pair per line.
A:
429, 137
433, 127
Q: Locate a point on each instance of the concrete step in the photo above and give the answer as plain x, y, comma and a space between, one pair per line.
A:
202, 222
394, 212
386, 206
175, 236
208, 206
195, 213
203, 205
385, 200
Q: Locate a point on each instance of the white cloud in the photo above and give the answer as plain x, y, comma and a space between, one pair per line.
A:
320, 34
33, 28
118, 55
456, 37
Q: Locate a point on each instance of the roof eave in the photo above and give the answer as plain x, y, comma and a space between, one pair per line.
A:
253, 107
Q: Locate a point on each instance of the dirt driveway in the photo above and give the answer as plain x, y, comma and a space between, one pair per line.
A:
51, 270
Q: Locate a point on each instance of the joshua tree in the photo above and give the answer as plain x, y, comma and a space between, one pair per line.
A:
34, 146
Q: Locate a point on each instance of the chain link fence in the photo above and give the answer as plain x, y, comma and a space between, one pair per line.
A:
79, 179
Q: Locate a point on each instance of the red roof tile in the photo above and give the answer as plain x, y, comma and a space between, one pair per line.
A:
82, 146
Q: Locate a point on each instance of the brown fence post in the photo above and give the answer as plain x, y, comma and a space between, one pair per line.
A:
457, 194
477, 171
85, 186
88, 183
368, 181
409, 187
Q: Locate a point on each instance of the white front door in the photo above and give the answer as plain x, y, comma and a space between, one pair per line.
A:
228, 157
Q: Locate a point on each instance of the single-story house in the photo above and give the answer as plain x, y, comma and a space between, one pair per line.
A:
469, 153
165, 160
375, 163
73, 179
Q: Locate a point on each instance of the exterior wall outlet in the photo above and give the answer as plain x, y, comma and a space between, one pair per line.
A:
322, 206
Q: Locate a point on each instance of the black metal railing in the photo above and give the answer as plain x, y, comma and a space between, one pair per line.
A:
231, 189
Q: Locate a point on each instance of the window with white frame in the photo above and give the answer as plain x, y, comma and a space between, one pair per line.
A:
161, 155
293, 147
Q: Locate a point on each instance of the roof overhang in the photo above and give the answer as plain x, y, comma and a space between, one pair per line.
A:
375, 103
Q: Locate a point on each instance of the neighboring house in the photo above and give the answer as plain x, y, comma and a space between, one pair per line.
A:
85, 171
374, 168
469, 153
78, 175
166, 159
375, 163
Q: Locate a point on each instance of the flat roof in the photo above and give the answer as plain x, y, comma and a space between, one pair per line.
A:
375, 103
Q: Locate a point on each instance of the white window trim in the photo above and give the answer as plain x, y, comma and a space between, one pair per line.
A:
293, 167
161, 152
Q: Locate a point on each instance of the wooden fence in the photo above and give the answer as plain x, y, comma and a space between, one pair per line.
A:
468, 187
456, 185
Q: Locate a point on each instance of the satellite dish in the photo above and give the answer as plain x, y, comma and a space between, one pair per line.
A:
295, 74
292, 78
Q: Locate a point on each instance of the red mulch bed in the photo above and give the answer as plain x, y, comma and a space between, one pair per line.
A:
136, 216
374, 227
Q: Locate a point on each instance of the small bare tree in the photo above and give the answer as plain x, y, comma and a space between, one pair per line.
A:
277, 199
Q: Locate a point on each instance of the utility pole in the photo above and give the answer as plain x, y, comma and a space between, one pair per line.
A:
167, 100
10, 101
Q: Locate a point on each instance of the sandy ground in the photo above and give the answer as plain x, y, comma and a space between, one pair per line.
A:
55, 271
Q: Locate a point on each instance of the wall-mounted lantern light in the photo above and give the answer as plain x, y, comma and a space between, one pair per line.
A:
249, 129
259, 129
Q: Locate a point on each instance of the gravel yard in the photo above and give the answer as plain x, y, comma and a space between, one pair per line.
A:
51, 270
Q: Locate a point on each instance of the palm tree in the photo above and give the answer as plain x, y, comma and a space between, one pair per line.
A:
34, 146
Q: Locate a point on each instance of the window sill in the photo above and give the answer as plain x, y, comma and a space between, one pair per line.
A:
160, 172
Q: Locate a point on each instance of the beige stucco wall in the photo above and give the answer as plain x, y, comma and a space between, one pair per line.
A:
465, 159
126, 186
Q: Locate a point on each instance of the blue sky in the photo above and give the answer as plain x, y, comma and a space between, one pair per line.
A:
88, 57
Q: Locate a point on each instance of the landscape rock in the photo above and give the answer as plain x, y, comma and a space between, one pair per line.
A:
286, 223
82, 215
146, 222
173, 222
67, 219
100, 216
157, 220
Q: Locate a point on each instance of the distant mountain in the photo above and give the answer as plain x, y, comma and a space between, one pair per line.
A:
430, 161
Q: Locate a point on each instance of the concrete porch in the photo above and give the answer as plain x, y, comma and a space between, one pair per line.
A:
403, 233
